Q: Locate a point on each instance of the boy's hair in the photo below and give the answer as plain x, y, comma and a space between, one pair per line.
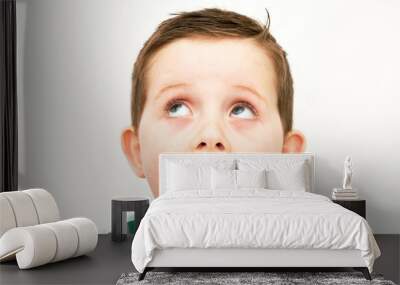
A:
219, 24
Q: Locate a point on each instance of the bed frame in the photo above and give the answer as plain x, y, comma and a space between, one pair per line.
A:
249, 259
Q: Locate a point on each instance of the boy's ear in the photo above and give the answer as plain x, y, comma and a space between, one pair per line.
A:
294, 142
131, 148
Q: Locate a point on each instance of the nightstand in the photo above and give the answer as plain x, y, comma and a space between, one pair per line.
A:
119, 207
357, 206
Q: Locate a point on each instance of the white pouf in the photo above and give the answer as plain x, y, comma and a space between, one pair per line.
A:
33, 246
41, 244
7, 216
31, 232
45, 205
67, 239
23, 208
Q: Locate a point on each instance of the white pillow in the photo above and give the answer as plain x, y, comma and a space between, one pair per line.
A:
251, 178
188, 177
223, 179
186, 174
293, 178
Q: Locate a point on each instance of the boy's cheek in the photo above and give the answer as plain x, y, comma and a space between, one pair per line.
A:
243, 125
170, 134
253, 143
255, 137
164, 135
253, 129
175, 124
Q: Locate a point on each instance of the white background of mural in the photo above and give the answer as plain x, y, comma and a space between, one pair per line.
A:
75, 60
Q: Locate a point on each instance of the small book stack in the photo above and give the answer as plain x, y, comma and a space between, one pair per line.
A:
344, 194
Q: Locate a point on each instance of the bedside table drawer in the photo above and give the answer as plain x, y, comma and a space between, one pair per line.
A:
357, 206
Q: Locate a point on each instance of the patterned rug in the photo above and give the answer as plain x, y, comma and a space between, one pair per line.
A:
270, 278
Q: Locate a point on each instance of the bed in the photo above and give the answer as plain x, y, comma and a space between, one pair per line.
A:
247, 210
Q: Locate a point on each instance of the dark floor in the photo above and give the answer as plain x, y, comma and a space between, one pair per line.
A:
102, 266
110, 260
389, 262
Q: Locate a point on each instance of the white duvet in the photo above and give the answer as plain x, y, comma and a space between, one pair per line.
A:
251, 218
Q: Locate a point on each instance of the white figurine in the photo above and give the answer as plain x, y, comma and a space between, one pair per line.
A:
348, 172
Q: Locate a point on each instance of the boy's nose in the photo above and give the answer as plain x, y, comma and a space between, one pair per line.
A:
211, 139
204, 146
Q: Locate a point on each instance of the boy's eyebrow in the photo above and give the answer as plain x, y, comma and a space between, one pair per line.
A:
168, 87
249, 89
237, 86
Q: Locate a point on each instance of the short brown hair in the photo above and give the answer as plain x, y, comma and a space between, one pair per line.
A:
214, 23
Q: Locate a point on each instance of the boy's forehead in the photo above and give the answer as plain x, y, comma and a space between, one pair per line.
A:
239, 63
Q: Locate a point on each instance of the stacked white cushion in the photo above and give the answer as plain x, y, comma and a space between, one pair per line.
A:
31, 232
281, 174
203, 174
251, 178
227, 179
223, 179
184, 175
293, 178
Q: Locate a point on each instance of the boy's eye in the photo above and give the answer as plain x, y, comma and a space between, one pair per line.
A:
243, 111
178, 109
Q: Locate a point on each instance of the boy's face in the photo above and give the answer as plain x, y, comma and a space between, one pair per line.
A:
207, 95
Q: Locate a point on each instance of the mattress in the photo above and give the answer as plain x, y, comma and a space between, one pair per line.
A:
250, 218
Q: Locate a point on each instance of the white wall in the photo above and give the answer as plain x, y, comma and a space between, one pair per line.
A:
75, 60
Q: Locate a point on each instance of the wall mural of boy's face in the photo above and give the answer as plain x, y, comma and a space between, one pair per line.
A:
211, 95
